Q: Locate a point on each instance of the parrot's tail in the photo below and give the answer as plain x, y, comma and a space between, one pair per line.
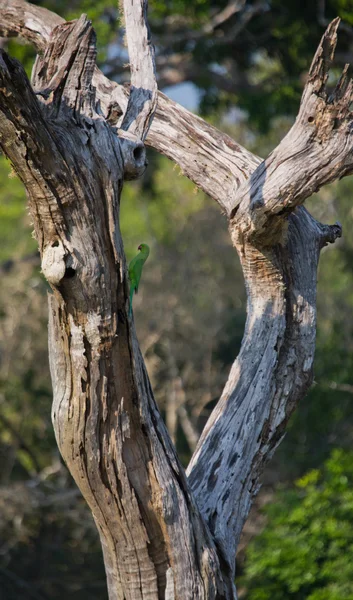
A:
131, 296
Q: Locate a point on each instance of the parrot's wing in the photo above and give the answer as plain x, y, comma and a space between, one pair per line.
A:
131, 267
138, 272
135, 271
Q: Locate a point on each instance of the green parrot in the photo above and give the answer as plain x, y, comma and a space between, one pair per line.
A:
135, 271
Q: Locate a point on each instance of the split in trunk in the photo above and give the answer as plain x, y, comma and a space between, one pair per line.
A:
72, 142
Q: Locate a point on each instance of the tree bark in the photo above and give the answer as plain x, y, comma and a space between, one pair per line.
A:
72, 141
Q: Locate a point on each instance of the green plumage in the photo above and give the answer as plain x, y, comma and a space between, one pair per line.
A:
135, 271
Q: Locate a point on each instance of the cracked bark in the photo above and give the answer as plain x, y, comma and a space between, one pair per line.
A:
164, 536
107, 425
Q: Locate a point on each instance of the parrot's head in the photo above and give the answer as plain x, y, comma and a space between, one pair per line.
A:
144, 248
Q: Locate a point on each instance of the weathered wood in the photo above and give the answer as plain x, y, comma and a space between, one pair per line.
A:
33, 23
271, 374
278, 245
316, 151
210, 158
107, 426
156, 543
142, 101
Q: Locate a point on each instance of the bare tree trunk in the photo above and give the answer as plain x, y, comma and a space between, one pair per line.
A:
164, 536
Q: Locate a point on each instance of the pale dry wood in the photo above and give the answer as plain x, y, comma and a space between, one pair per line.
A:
33, 23
210, 158
107, 425
143, 91
316, 151
213, 160
270, 375
190, 431
278, 243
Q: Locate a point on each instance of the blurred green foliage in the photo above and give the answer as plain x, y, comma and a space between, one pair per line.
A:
306, 549
13, 216
147, 207
198, 9
269, 56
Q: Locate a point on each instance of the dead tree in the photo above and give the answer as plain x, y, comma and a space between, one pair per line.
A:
72, 138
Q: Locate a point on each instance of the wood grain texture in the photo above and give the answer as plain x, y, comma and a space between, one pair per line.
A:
210, 158
316, 151
272, 372
142, 101
106, 423
278, 243
164, 536
33, 23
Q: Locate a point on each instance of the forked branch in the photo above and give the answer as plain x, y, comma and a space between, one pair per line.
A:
107, 425
210, 158
278, 243
316, 151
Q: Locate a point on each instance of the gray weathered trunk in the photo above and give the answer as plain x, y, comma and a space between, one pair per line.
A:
72, 141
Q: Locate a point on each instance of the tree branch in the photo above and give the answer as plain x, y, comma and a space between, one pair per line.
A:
258, 7
210, 158
213, 27
264, 386
316, 151
279, 244
233, 7
180, 67
143, 94
32, 23
322, 20
106, 422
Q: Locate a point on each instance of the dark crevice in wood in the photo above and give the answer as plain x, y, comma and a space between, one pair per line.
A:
70, 272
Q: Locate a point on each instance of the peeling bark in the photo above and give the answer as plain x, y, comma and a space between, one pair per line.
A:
107, 425
72, 143
278, 243
271, 374
210, 158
